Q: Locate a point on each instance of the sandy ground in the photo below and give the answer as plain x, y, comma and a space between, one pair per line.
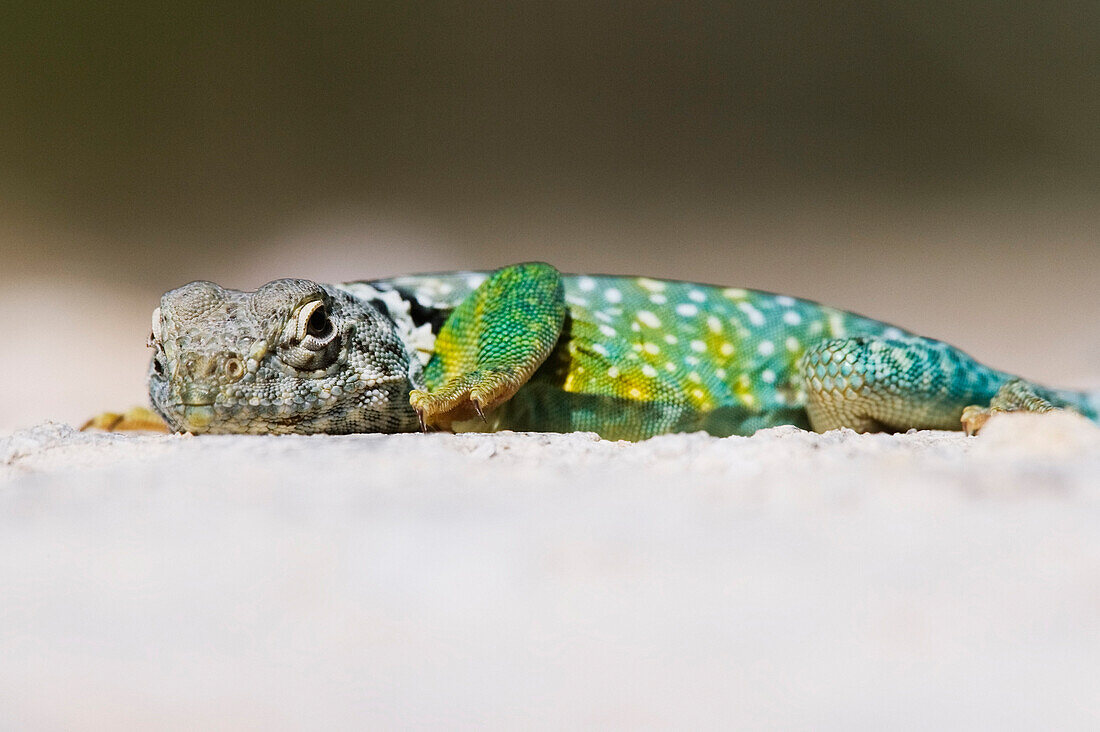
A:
792, 580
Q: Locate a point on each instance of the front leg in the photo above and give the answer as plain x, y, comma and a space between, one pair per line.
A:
491, 344
135, 419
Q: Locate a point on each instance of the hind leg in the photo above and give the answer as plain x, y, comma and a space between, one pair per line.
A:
872, 384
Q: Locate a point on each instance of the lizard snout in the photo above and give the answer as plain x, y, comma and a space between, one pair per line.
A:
211, 369
201, 376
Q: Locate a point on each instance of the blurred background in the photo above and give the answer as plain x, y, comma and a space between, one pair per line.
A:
934, 164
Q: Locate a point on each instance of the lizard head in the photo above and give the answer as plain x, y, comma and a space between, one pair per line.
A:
293, 356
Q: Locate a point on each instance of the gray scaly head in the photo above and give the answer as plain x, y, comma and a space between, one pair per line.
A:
293, 356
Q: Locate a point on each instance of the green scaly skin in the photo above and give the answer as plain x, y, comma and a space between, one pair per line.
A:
526, 348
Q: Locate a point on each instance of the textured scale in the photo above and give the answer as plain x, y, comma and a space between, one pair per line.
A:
526, 348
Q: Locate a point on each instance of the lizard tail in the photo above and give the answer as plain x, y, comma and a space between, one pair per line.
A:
1092, 405
1085, 402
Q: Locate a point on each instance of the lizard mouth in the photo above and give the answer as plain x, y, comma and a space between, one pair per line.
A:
193, 396
197, 417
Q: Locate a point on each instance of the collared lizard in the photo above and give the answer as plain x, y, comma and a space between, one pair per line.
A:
527, 348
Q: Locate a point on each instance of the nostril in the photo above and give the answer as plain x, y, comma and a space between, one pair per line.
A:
234, 369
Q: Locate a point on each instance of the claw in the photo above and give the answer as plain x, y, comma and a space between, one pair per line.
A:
974, 418
423, 424
477, 408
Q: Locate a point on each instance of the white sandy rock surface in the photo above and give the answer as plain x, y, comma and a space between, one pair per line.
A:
788, 580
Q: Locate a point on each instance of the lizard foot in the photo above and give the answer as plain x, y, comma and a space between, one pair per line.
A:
1015, 396
463, 397
974, 418
136, 419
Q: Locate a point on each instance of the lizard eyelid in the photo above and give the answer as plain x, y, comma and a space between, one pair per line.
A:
318, 325
313, 328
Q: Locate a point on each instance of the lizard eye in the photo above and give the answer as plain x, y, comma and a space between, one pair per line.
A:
312, 328
310, 340
319, 325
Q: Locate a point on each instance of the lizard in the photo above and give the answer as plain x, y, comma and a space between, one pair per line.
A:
528, 348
